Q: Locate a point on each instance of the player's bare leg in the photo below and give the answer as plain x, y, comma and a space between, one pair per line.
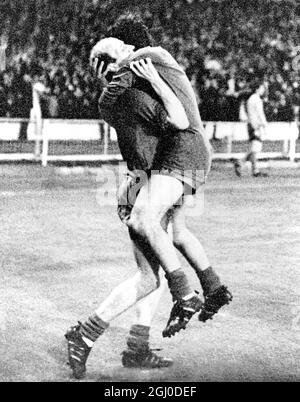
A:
146, 308
252, 157
138, 354
82, 337
146, 280
154, 200
215, 294
237, 164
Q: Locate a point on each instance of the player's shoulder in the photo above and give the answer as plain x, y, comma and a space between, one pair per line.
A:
156, 53
38, 86
254, 98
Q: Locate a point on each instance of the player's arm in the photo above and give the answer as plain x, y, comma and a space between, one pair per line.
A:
139, 102
176, 115
121, 81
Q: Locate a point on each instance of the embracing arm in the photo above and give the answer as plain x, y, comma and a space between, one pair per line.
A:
137, 102
172, 115
176, 115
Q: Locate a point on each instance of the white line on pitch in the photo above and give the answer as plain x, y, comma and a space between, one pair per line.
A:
210, 187
8, 194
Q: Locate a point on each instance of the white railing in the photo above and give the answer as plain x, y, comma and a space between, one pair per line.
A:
65, 131
285, 132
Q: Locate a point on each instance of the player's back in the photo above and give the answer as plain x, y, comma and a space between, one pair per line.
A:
176, 78
255, 111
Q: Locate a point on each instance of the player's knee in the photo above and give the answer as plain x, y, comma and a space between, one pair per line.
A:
179, 238
133, 225
140, 224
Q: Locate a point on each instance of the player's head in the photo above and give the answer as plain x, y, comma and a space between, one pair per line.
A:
114, 48
110, 52
258, 87
261, 89
130, 29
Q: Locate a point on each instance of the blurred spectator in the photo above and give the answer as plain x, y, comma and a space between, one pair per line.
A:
222, 45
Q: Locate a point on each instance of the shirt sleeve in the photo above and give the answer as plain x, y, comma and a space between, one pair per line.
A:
121, 81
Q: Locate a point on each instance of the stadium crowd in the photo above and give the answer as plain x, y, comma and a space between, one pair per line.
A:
222, 45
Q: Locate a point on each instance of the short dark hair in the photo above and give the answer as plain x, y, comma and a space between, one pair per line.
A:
131, 29
254, 85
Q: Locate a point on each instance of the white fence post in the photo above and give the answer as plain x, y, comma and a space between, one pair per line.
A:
45, 148
286, 143
229, 144
293, 140
38, 124
106, 137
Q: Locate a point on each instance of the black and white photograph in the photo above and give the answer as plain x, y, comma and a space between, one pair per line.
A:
149, 194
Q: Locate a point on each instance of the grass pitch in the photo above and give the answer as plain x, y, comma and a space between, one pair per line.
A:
62, 252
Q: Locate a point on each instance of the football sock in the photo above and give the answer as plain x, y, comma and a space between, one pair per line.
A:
138, 338
178, 284
88, 342
93, 328
188, 297
209, 280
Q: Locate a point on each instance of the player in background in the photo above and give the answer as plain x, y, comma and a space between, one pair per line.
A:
257, 124
39, 91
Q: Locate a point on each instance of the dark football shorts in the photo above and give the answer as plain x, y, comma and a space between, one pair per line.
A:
191, 182
252, 134
191, 179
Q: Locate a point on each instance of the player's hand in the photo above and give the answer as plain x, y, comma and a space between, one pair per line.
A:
145, 69
95, 55
97, 65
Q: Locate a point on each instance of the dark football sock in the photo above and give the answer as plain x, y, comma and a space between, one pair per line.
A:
209, 280
178, 284
93, 328
138, 338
